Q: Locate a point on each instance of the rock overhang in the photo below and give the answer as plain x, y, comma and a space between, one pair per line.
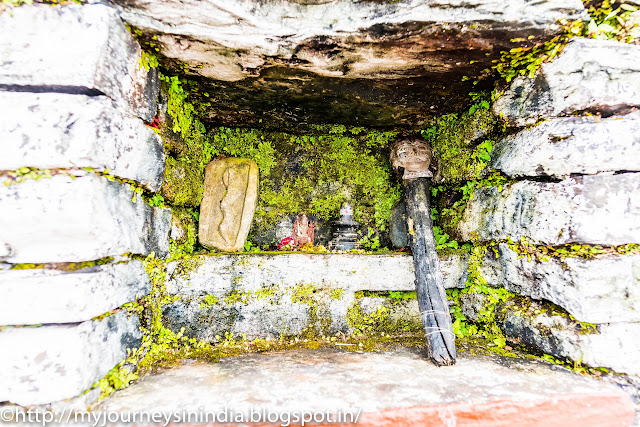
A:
370, 63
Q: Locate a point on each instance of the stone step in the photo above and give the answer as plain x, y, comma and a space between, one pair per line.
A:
53, 130
37, 296
599, 209
76, 49
592, 75
70, 219
389, 388
54, 362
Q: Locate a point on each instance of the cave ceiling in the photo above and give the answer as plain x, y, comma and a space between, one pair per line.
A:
363, 63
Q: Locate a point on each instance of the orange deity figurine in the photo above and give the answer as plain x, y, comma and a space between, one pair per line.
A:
303, 232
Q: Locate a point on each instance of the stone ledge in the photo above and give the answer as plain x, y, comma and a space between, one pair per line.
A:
61, 219
76, 49
571, 145
614, 346
219, 275
287, 294
55, 362
593, 75
31, 297
50, 130
600, 209
601, 290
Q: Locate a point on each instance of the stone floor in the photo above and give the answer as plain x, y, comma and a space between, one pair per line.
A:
390, 388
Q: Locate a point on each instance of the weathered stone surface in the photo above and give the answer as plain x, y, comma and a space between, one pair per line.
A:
228, 203
76, 49
219, 275
600, 290
54, 362
277, 312
276, 315
589, 75
36, 296
62, 219
372, 63
614, 346
50, 130
571, 145
386, 388
600, 209
268, 296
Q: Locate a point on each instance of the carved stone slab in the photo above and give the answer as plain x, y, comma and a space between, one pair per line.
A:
228, 204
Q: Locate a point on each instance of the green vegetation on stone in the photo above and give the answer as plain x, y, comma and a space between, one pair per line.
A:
316, 173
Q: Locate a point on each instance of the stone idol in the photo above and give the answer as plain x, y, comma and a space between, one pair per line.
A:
228, 203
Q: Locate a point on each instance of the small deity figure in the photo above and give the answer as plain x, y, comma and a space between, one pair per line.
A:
303, 232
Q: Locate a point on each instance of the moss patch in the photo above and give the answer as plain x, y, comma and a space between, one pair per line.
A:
462, 142
316, 172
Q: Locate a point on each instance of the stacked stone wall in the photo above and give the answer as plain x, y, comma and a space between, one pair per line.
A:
75, 158
574, 153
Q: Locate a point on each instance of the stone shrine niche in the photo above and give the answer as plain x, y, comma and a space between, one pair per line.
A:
228, 203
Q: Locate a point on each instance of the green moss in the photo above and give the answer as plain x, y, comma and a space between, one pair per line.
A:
23, 174
486, 326
612, 21
543, 253
63, 266
362, 322
462, 142
208, 301
237, 296
186, 138
316, 173
336, 294
183, 184
268, 293
393, 295
186, 221
303, 293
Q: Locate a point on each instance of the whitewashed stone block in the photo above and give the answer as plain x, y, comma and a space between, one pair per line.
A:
37, 296
50, 130
571, 145
615, 346
601, 290
218, 275
55, 362
600, 209
75, 49
61, 219
592, 75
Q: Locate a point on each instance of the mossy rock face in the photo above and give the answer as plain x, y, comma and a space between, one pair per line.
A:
183, 185
316, 172
184, 229
459, 144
